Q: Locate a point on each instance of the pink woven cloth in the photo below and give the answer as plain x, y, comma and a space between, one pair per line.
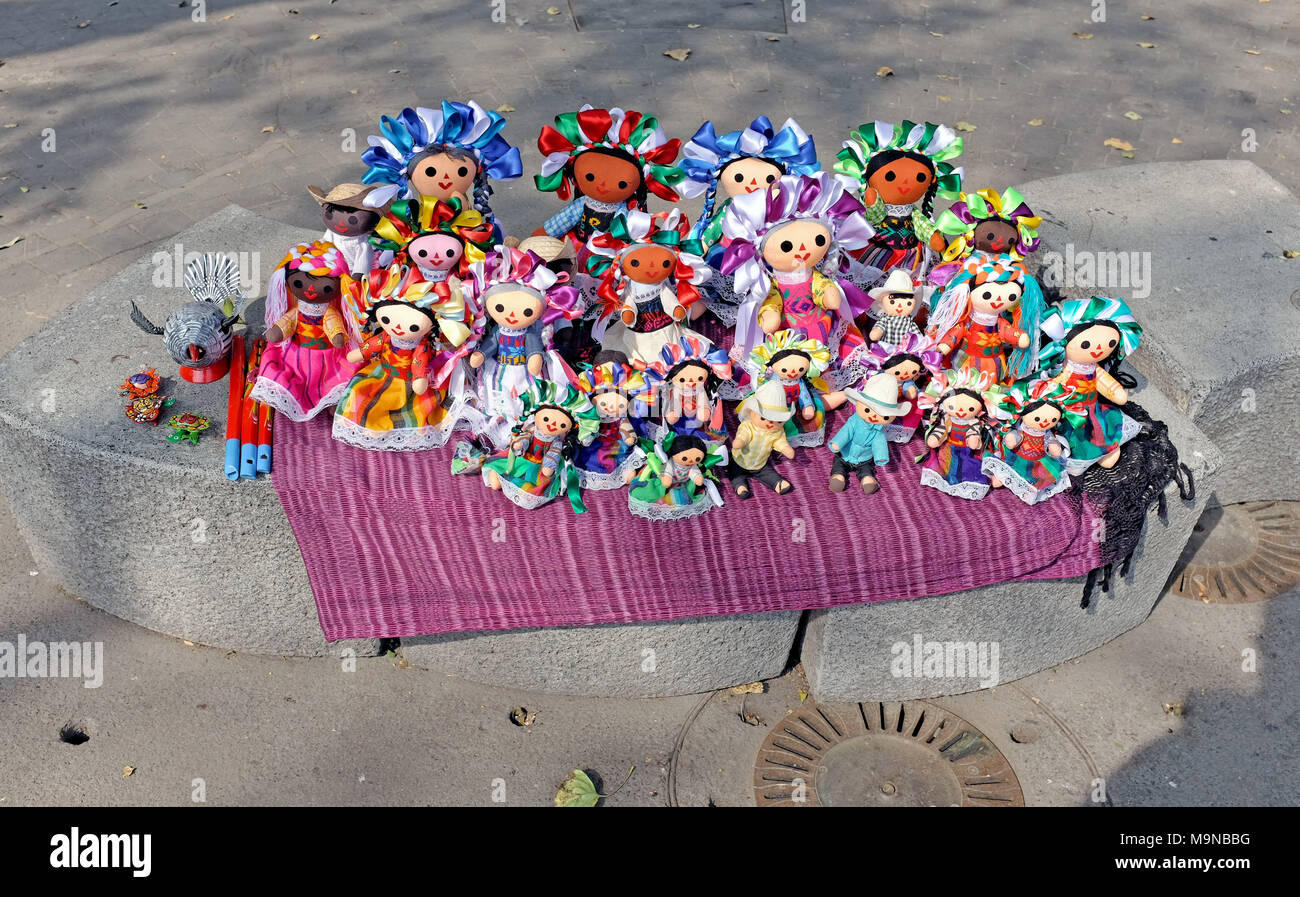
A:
395, 545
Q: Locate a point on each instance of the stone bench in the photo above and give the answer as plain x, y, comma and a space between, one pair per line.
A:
152, 532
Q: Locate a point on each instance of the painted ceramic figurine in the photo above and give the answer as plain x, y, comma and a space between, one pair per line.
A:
960, 404
683, 389
897, 171
987, 223
988, 318
1029, 458
602, 162
649, 282
537, 464
679, 481
893, 309
760, 434
783, 242
520, 296
912, 363
612, 456
720, 168
348, 223
198, 334
393, 402
452, 151
796, 363
305, 367
143, 388
1089, 338
860, 445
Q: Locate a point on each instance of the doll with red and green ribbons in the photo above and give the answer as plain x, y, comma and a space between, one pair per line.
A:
679, 479
1029, 456
988, 223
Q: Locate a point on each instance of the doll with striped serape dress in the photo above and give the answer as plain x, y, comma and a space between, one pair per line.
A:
611, 456
961, 403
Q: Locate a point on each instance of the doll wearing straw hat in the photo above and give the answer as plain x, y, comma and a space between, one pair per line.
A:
348, 223
894, 303
761, 433
861, 444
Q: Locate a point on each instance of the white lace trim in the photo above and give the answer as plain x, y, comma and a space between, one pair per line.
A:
1128, 430
600, 481
400, 343
1082, 367
434, 275
406, 439
655, 511
1019, 486
972, 491
810, 439
894, 211
315, 309
526, 500
898, 433
268, 392
601, 206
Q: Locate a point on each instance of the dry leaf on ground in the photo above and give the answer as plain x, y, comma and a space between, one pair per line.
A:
884, 71
964, 126
679, 54
1116, 143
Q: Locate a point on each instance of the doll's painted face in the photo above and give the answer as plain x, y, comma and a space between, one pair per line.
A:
605, 177
898, 304
763, 423
1044, 417
515, 309
995, 298
1095, 344
902, 181
747, 175
797, 246
790, 367
691, 376
312, 288
996, 236
905, 371
963, 407
649, 264
552, 422
442, 176
691, 457
871, 415
404, 321
440, 252
348, 222
611, 405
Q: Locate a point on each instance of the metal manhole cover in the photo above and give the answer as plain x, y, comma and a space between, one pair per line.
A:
1241, 553
881, 755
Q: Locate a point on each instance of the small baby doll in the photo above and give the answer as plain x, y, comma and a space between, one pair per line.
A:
348, 223
1090, 337
796, 363
961, 403
678, 481
895, 304
860, 445
611, 457
1030, 458
537, 464
897, 171
683, 389
761, 432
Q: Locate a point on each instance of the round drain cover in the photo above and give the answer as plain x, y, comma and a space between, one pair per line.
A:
1241, 553
881, 755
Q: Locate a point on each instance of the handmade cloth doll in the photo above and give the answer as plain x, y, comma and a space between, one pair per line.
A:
761, 433
519, 296
796, 364
784, 240
912, 363
739, 162
452, 151
993, 307
960, 403
860, 445
679, 480
433, 240
893, 309
682, 389
897, 171
602, 162
305, 368
348, 223
612, 456
1089, 338
1029, 458
396, 401
649, 280
537, 464
987, 223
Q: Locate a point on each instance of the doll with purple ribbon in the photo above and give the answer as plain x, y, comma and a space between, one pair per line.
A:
787, 244
987, 223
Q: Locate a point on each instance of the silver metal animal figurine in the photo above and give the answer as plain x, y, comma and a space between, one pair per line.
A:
198, 334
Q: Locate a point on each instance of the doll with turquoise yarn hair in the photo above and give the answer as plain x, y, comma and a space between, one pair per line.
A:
988, 318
